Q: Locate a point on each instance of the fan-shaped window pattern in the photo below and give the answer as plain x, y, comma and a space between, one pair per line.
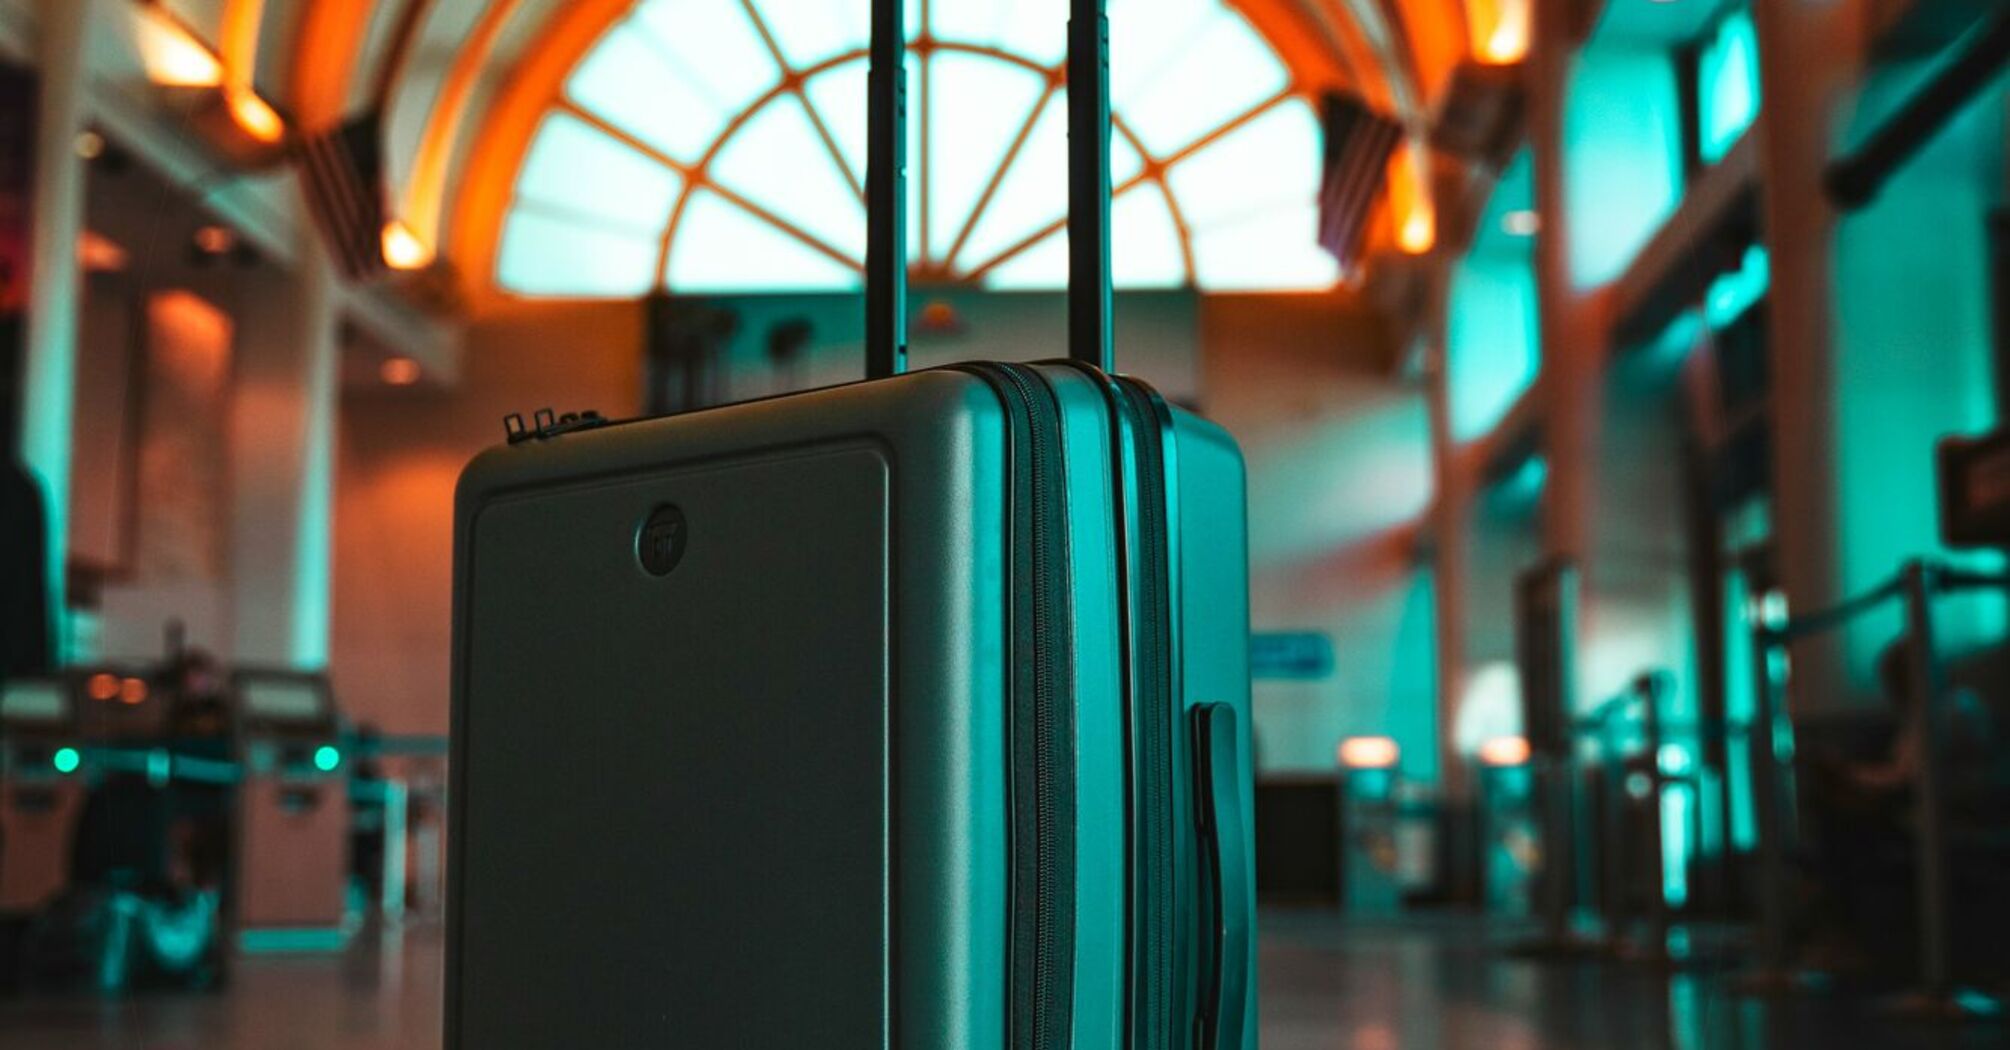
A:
710, 146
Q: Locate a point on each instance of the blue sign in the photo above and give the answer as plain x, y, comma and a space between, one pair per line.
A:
1290, 654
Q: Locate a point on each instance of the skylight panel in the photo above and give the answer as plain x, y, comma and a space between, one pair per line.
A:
721, 248
556, 254
778, 162
574, 167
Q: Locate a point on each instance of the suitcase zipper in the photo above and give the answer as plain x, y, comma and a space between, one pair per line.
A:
1042, 1000
1154, 695
1052, 883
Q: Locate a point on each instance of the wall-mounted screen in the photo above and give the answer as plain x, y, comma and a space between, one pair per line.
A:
34, 700
283, 699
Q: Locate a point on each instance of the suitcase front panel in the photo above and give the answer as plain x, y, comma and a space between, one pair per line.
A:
635, 871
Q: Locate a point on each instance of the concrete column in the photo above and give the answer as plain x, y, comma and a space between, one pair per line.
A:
283, 418
1566, 390
49, 367
1809, 57
1451, 539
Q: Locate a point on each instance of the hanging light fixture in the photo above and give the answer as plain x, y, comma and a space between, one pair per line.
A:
171, 53
403, 248
1410, 203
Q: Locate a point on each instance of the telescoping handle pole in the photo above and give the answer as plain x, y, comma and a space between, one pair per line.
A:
886, 194
1089, 326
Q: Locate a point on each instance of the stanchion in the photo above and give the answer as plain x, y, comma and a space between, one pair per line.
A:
1773, 974
1649, 689
1558, 939
1937, 996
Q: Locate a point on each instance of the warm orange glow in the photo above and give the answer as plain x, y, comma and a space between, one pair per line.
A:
172, 55
1505, 751
97, 253
257, 118
327, 42
487, 179
1500, 30
403, 250
133, 691
215, 240
102, 686
399, 371
1410, 205
237, 45
1369, 752
425, 190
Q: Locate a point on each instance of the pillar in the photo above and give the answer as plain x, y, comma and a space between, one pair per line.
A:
1810, 55
283, 418
49, 363
1451, 539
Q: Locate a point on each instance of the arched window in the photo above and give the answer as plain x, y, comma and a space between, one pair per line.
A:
718, 145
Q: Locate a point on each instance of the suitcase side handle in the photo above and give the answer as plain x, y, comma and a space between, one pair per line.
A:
1218, 809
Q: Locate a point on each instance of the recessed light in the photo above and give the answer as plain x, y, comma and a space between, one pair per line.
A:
215, 240
403, 250
1521, 223
398, 371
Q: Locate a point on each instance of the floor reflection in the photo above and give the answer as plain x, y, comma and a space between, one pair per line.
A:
1429, 984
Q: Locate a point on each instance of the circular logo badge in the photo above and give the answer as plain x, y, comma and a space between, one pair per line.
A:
659, 544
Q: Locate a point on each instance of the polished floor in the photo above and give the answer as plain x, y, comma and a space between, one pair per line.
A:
1326, 984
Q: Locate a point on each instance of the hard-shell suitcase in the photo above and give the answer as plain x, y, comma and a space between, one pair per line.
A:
912, 712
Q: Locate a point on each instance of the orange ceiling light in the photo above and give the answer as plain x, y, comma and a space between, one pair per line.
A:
1410, 204
399, 371
171, 52
1500, 30
98, 253
403, 248
1369, 752
255, 117
238, 51
1503, 751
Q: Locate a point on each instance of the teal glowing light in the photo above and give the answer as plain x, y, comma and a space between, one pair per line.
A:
1622, 158
1493, 342
1528, 479
1732, 294
1493, 348
1728, 80
326, 758
1676, 802
66, 760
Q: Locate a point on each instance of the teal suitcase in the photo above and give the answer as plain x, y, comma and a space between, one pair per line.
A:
912, 712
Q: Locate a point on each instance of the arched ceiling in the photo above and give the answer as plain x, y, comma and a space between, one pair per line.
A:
461, 84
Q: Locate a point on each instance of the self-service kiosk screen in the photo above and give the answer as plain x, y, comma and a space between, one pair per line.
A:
283, 699
34, 701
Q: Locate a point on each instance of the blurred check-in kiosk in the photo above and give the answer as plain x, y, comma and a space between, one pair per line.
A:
293, 814
1510, 826
42, 788
1386, 827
